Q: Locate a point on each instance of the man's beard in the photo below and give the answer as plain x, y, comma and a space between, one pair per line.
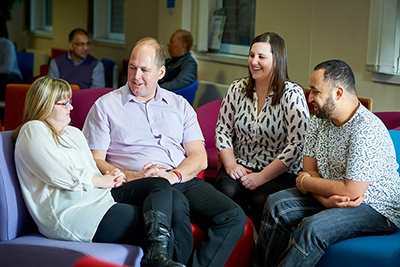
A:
326, 111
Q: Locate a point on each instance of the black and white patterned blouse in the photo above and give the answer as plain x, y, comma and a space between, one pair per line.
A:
360, 150
276, 132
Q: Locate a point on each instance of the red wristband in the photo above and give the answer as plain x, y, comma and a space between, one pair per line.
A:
179, 174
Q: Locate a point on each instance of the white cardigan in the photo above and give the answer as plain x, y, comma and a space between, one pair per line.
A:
56, 183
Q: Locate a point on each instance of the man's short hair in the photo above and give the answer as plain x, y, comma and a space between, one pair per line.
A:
186, 38
160, 53
338, 72
75, 32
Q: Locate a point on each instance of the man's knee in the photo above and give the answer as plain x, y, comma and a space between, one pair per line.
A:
281, 197
179, 202
310, 230
229, 187
234, 216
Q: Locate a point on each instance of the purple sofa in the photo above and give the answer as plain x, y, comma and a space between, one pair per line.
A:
207, 116
82, 101
391, 119
20, 242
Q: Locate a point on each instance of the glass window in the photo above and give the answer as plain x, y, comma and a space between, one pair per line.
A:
109, 20
117, 16
239, 22
41, 16
48, 14
235, 17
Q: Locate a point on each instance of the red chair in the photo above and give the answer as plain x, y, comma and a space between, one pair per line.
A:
44, 69
55, 52
89, 261
207, 116
14, 105
240, 256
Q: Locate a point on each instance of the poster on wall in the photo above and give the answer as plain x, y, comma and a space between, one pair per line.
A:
215, 34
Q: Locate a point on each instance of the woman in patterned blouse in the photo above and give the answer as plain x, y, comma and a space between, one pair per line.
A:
261, 128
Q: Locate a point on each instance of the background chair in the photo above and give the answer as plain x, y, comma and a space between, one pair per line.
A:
55, 52
188, 92
44, 69
82, 101
14, 105
207, 116
111, 72
25, 62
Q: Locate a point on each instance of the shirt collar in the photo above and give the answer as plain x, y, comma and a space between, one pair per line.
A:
73, 61
127, 95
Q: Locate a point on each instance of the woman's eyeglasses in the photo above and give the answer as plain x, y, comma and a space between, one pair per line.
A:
65, 104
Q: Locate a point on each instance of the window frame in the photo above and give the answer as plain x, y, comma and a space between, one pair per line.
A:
102, 15
383, 49
205, 11
38, 15
110, 34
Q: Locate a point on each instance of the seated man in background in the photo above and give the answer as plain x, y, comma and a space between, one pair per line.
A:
144, 129
9, 69
349, 186
77, 66
181, 68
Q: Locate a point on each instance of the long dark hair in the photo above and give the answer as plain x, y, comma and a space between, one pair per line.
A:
279, 73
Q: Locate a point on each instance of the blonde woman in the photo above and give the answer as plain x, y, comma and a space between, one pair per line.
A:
66, 194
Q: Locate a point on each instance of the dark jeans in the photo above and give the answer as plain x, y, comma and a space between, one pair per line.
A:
318, 228
252, 202
221, 219
123, 222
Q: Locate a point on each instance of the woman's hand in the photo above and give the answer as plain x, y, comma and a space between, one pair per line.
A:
237, 171
252, 180
112, 179
159, 170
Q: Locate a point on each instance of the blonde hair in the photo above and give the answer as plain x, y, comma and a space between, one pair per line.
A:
40, 100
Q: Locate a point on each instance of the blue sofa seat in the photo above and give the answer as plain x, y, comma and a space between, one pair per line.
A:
382, 251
